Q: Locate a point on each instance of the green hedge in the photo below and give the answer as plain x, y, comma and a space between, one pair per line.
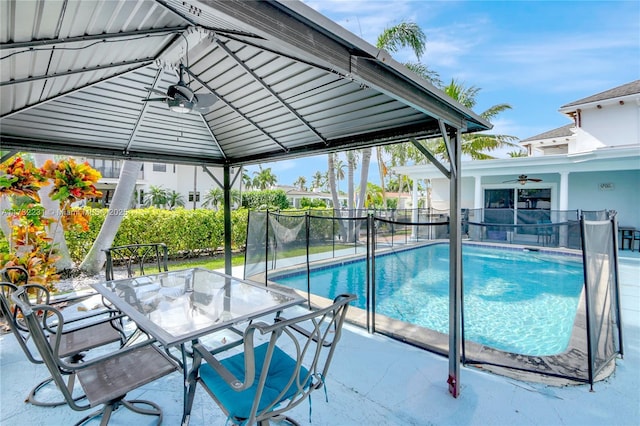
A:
273, 199
186, 232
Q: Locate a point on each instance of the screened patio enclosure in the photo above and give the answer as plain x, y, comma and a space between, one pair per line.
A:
288, 81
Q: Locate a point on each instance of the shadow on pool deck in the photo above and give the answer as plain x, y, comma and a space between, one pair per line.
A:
378, 381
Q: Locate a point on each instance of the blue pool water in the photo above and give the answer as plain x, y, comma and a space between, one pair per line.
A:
517, 301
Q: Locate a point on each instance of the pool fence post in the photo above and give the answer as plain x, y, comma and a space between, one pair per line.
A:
370, 274
307, 220
452, 140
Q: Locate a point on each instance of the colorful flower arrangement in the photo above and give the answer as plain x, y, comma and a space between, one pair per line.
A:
31, 246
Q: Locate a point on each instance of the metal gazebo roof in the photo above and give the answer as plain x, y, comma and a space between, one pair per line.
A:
290, 82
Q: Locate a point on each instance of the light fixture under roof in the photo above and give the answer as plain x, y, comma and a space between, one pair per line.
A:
181, 106
523, 179
181, 99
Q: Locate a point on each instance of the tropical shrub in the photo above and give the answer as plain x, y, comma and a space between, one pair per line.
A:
187, 233
272, 199
30, 245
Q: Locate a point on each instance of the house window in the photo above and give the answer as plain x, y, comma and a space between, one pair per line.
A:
191, 196
498, 198
518, 206
141, 196
534, 199
159, 167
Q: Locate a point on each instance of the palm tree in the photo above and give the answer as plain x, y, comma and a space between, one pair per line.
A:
246, 180
174, 199
235, 197
264, 178
301, 183
374, 196
331, 179
405, 34
95, 259
318, 180
339, 168
476, 145
331, 171
352, 163
156, 197
517, 154
214, 198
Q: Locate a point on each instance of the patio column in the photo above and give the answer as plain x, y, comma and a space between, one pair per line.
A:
564, 191
563, 205
477, 197
475, 231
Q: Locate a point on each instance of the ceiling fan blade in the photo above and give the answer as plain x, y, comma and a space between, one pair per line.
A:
535, 179
202, 110
156, 91
205, 100
154, 99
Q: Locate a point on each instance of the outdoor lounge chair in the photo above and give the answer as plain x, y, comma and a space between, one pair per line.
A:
82, 334
106, 379
268, 379
135, 257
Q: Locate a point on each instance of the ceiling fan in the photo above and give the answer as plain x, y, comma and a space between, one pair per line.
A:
523, 179
180, 98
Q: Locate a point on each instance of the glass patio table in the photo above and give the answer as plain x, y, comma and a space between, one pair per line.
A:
179, 307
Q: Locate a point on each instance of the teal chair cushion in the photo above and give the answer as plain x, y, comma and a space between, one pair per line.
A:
238, 404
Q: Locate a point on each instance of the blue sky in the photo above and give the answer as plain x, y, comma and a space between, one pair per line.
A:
534, 55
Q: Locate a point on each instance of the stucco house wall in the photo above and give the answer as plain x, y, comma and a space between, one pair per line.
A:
590, 164
611, 190
611, 125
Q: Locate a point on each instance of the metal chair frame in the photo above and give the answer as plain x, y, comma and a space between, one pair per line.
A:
136, 257
105, 379
636, 237
88, 332
308, 343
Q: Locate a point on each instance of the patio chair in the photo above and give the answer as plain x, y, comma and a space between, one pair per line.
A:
545, 233
106, 379
19, 276
135, 257
626, 236
14, 274
265, 381
88, 332
636, 237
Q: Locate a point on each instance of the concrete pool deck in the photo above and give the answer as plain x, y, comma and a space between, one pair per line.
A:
378, 381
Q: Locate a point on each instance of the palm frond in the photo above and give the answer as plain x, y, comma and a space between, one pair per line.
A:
405, 34
493, 111
425, 72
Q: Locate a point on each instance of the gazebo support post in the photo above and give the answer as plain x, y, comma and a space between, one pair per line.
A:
455, 264
227, 219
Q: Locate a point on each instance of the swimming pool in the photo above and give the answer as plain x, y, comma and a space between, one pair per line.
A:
517, 301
